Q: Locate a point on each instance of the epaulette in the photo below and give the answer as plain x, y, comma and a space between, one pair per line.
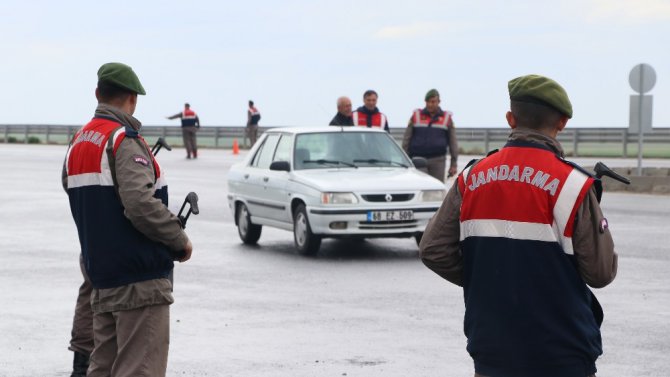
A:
131, 132
578, 167
597, 182
472, 162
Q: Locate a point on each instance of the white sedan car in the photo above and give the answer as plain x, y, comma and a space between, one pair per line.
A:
331, 182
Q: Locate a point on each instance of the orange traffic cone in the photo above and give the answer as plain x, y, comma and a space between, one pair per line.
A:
236, 147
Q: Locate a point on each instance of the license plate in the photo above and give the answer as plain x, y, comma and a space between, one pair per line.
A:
374, 216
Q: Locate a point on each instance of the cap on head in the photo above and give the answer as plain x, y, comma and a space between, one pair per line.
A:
122, 76
432, 93
541, 90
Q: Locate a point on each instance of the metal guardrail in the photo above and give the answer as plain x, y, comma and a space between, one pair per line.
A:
222, 136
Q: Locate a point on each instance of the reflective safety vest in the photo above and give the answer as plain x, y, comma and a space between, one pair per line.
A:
430, 136
527, 309
188, 118
376, 120
254, 116
115, 253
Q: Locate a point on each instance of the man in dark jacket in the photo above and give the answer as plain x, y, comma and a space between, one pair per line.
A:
430, 134
190, 124
343, 116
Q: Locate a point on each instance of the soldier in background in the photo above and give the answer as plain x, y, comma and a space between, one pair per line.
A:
190, 124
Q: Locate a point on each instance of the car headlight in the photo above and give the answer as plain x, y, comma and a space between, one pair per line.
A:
432, 195
338, 198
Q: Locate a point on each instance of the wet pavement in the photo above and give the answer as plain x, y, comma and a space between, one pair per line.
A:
357, 309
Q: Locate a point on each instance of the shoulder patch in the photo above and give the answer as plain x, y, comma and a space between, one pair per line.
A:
492, 152
141, 160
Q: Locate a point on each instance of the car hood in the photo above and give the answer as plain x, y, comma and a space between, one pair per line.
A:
368, 179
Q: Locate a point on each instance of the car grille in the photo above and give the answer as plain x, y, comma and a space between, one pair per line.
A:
399, 224
382, 197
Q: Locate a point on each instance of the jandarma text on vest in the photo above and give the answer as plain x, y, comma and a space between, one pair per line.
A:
504, 173
90, 136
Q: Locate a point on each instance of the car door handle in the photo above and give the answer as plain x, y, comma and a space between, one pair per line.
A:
265, 179
246, 176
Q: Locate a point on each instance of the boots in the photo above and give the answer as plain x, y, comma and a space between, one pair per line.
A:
80, 364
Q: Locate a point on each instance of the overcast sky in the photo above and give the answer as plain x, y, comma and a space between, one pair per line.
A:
294, 58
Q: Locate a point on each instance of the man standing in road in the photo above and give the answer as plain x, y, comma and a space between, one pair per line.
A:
430, 134
368, 115
129, 238
253, 117
190, 124
523, 233
343, 116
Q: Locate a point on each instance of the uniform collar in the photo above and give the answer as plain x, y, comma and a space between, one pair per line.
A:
438, 113
365, 110
534, 137
113, 112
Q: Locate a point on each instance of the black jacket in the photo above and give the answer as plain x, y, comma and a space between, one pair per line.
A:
341, 120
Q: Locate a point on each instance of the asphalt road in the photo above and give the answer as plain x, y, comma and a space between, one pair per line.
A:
358, 309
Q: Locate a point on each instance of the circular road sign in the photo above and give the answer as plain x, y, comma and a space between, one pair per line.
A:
642, 78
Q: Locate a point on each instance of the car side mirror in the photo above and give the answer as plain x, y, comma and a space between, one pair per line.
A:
280, 166
419, 162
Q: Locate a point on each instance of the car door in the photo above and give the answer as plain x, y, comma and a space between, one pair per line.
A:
257, 176
275, 183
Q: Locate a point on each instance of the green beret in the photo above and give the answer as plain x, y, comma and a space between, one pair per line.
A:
432, 93
120, 75
541, 90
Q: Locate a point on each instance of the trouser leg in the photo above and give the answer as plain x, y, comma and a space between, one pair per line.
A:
143, 338
436, 167
185, 139
82, 323
194, 142
190, 140
253, 134
104, 353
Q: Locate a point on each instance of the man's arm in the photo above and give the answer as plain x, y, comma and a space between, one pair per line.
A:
407, 137
135, 178
453, 148
593, 245
197, 121
178, 115
440, 248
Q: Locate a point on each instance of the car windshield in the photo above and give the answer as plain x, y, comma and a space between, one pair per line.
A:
347, 150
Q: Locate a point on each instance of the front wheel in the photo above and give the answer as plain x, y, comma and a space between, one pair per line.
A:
306, 242
248, 231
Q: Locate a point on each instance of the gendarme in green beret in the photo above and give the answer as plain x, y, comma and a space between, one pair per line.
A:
432, 93
122, 76
541, 90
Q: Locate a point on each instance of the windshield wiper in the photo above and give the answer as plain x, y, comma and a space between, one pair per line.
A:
322, 161
376, 161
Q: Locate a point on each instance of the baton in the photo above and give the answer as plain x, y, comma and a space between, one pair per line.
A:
192, 200
601, 170
161, 143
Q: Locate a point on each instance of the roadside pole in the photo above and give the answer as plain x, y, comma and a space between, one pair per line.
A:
642, 79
